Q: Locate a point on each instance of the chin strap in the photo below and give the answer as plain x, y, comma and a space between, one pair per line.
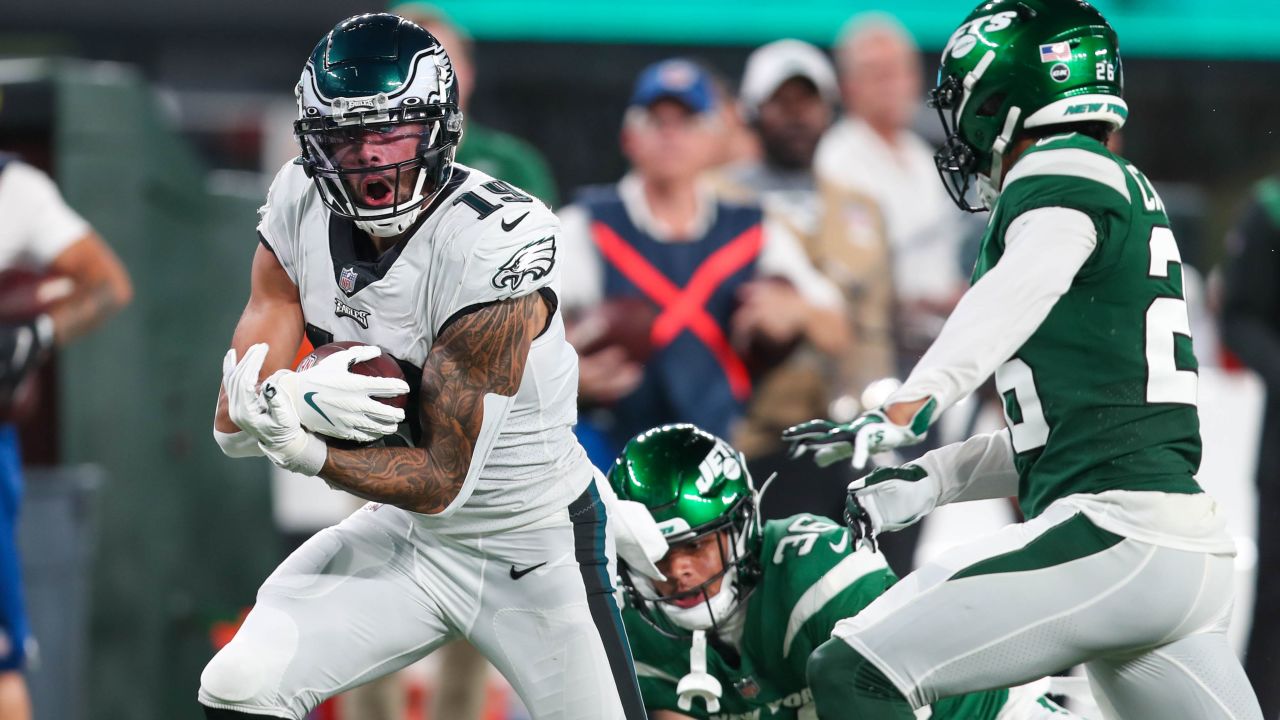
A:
991, 193
699, 683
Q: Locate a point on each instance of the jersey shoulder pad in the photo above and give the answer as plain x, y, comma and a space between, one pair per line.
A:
1070, 170
499, 242
801, 550
280, 216
811, 573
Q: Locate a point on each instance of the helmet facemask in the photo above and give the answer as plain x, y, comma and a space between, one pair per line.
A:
737, 576
337, 150
956, 160
964, 164
378, 121
696, 487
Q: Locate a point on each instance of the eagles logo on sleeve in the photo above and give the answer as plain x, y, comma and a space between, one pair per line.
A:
534, 260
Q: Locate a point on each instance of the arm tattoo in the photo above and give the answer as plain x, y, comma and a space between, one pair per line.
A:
483, 352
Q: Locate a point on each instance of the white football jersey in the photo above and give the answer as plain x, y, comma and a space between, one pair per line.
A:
480, 242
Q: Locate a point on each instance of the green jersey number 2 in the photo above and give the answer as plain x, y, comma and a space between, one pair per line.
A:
1166, 318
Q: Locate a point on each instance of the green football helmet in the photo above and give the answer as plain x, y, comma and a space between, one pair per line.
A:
1014, 65
372, 78
694, 485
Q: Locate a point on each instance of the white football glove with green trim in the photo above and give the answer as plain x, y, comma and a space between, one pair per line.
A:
267, 415
870, 433
889, 499
333, 401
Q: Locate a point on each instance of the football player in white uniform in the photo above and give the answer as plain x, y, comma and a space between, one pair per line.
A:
487, 520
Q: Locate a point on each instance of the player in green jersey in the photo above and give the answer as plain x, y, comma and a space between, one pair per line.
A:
728, 632
1077, 308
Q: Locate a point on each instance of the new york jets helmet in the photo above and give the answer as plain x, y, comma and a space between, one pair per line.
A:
378, 73
1015, 65
694, 484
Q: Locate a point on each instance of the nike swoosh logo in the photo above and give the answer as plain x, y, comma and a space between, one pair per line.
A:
840, 546
512, 226
306, 397
517, 574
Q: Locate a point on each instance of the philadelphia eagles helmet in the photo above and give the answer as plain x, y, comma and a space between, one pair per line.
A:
372, 80
695, 485
1016, 65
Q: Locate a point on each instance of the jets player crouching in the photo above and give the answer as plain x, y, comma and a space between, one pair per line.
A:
489, 524
728, 631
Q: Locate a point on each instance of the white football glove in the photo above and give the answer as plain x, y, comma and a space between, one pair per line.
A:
870, 433
268, 415
639, 542
331, 400
889, 499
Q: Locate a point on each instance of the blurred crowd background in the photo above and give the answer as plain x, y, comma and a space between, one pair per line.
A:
793, 132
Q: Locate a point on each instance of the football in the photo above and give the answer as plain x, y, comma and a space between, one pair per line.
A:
25, 294
623, 322
381, 366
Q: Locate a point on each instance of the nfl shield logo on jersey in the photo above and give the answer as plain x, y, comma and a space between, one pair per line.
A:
347, 279
747, 687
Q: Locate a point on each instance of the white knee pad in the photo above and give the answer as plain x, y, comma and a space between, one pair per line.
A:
249, 670
232, 676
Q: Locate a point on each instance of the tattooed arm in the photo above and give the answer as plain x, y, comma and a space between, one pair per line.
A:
471, 374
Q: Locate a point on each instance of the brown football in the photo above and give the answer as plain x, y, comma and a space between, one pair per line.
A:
25, 294
381, 366
623, 322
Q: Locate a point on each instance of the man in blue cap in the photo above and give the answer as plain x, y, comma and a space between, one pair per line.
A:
719, 282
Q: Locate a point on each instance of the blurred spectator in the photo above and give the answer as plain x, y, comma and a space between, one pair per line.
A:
873, 150
788, 95
496, 153
46, 241
657, 264
1251, 329
738, 141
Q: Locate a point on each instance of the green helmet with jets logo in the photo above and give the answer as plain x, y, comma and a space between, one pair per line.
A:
370, 79
694, 485
1016, 65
